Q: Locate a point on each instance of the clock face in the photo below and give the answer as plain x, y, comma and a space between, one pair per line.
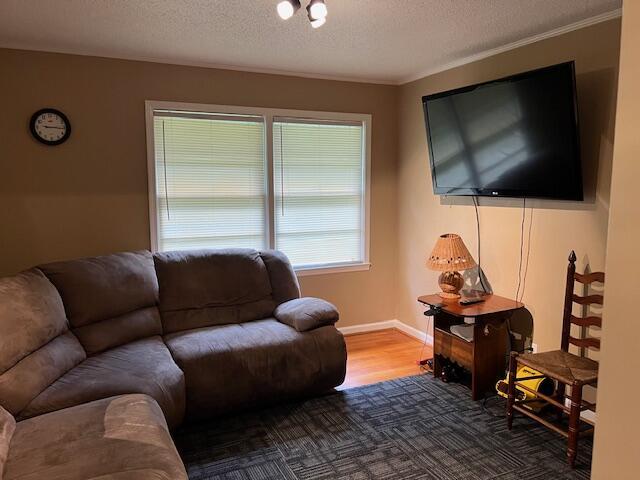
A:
50, 126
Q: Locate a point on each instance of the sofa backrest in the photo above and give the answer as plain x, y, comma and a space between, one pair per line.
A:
7, 427
37, 347
284, 283
216, 287
109, 300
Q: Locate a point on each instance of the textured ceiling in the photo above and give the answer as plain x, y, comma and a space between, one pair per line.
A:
389, 41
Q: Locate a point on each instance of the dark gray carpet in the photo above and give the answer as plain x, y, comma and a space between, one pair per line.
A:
410, 428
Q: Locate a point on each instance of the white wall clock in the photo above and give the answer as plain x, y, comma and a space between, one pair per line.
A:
50, 126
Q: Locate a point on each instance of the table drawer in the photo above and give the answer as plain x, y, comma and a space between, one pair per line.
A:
453, 348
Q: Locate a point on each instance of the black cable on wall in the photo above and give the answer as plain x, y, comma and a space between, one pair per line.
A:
475, 204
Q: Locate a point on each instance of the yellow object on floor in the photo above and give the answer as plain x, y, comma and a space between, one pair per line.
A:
540, 384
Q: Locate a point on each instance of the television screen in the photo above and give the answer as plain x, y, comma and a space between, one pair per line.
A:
513, 137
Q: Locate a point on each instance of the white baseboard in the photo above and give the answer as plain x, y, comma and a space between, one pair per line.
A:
384, 325
368, 327
414, 332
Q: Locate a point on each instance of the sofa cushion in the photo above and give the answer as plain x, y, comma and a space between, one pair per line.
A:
119, 330
144, 366
110, 300
307, 313
284, 283
123, 437
33, 374
212, 287
230, 367
31, 314
37, 347
7, 427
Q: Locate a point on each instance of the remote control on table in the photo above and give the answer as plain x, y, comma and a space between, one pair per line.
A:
471, 300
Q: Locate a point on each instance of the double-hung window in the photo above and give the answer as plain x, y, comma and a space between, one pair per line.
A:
222, 177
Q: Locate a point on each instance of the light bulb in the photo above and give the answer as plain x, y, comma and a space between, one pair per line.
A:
319, 22
317, 9
287, 8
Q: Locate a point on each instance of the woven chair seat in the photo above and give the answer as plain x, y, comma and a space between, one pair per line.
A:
563, 366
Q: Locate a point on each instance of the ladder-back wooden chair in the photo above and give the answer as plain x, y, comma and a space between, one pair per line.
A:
563, 367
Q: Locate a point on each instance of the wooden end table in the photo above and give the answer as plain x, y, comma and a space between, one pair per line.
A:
486, 356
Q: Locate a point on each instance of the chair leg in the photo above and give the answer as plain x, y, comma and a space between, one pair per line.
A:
511, 388
560, 392
574, 423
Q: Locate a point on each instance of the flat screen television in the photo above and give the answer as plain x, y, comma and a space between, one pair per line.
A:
514, 137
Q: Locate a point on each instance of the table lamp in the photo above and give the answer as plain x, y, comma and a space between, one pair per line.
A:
449, 256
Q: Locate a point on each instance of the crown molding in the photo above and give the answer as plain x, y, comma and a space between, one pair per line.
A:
511, 46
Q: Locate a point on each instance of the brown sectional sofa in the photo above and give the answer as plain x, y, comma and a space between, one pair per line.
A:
99, 355
117, 438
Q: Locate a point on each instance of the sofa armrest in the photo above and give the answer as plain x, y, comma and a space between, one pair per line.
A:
307, 313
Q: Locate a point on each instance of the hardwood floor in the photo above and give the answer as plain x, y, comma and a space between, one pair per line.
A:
383, 355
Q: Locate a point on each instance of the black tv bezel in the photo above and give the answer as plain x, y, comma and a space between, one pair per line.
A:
574, 195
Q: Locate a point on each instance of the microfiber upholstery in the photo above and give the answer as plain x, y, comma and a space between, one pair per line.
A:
217, 311
100, 356
230, 367
307, 313
213, 287
37, 347
109, 300
144, 366
7, 427
118, 438
284, 283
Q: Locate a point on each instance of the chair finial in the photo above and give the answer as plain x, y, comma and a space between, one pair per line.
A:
572, 257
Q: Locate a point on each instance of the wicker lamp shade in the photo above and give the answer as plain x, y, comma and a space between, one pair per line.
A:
449, 256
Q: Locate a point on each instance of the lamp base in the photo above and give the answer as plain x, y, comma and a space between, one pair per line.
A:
449, 295
450, 283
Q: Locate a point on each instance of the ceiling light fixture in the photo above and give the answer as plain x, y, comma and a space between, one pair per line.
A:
316, 11
319, 22
287, 8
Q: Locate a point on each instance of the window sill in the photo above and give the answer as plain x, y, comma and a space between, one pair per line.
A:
309, 271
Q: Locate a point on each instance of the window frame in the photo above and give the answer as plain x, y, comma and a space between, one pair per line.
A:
268, 115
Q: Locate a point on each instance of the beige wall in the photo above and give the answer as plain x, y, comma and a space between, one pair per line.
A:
557, 227
89, 195
617, 444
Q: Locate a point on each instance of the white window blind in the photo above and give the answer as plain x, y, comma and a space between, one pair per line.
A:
210, 181
223, 176
319, 191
